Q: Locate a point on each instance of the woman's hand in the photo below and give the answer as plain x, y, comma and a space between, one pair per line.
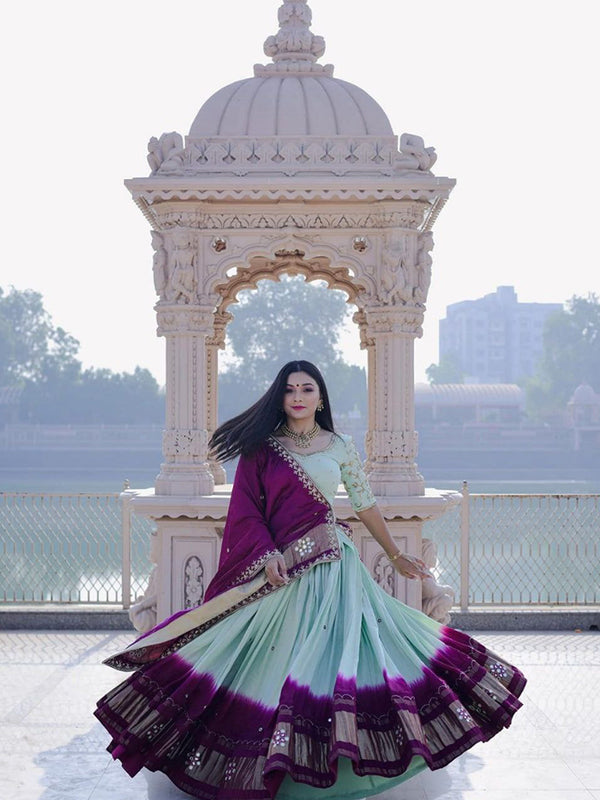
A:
411, 567
276, 571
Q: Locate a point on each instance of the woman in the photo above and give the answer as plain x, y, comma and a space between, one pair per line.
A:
299, 677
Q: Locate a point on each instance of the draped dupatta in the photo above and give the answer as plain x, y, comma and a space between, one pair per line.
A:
275, 508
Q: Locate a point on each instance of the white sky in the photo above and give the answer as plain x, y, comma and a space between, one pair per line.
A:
507, 92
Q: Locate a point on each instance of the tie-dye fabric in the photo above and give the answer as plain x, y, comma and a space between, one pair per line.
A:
329, 683
328, 688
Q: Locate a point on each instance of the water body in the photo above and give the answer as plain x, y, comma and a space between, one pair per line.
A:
521, 551
109, 479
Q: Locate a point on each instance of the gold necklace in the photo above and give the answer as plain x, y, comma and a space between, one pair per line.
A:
301, 439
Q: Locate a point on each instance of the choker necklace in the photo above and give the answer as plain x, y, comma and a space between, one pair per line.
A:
300, 439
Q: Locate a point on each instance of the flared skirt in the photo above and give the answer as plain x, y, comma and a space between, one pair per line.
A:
327, 688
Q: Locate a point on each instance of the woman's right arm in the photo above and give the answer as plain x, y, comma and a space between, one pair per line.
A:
276, 571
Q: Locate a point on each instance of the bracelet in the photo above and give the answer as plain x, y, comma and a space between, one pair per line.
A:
396, 556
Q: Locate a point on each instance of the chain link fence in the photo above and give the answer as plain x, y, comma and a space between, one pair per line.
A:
67, 548
494, 549
521, 549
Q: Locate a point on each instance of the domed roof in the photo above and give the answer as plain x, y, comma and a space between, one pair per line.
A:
291, 105
294, 95
584, 395
292, 118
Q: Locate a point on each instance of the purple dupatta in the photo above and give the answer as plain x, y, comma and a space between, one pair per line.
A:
275, 508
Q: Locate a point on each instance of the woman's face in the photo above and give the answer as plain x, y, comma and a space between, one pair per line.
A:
301, 396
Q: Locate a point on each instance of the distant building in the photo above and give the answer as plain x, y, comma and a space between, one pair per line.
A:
10, 397
461, 403
495, 339
583, 415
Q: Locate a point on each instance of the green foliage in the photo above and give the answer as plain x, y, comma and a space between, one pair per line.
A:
95, 396
571, 357
42, 359
279, 322
447, 371
30, 346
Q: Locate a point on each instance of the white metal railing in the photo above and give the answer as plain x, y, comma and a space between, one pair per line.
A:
520, 549
494, 549
68, 548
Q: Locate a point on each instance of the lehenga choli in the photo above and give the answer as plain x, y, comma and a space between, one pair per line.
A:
324, 688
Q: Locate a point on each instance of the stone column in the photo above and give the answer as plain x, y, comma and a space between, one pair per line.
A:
392, 437
185, 470
215, 343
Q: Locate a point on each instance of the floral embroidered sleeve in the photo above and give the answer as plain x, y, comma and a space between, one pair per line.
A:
354, 479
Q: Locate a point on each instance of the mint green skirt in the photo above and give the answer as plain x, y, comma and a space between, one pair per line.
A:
327, 688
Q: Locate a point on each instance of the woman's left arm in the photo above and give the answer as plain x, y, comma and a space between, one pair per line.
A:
408, 566
365, 507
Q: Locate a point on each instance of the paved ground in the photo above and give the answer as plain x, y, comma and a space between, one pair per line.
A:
51, 748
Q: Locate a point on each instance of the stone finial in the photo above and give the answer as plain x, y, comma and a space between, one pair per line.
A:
294, 49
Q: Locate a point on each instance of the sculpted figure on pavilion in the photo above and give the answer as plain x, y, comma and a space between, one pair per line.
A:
290, 170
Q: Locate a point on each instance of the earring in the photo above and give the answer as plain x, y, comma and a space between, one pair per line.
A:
320, 407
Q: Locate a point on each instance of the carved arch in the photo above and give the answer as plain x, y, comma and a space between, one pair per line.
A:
317, 257
286, 262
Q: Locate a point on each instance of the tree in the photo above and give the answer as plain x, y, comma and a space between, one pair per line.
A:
571, 356
281, 321
41, 358
30, 345
449, 370
95, 396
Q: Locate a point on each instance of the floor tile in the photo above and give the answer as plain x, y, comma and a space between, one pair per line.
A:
503, 794
52, 748
587, 769
473, 772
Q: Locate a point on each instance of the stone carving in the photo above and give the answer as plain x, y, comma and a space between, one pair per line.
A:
393, 319
360, 243
159, 264
239, 156
409, 217
165, 153
187, 319
193, 582
288, 262
294, 48
394, 445
414, 154
182, 285
143, 612
393, 281
423, 268
437, 598
219, 244
185, 442
432, 197
384, 573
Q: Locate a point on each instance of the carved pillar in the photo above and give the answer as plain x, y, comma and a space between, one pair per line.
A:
392, 437
185, 470
215, 343
368, 344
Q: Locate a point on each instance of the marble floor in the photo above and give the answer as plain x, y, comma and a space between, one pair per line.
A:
51, 748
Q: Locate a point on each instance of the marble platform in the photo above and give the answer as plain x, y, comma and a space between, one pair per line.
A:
51, 748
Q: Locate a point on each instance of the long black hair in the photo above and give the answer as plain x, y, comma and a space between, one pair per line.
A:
243, 435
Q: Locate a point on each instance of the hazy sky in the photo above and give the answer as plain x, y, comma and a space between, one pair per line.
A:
507, 93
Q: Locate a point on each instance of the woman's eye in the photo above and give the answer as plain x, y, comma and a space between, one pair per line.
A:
309, 389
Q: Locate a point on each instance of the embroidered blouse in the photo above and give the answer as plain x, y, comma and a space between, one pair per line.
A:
281, 502
339, 463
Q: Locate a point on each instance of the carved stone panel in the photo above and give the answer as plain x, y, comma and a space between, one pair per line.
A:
189, 559
181, 442
394, 445
409, 215
193, 582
